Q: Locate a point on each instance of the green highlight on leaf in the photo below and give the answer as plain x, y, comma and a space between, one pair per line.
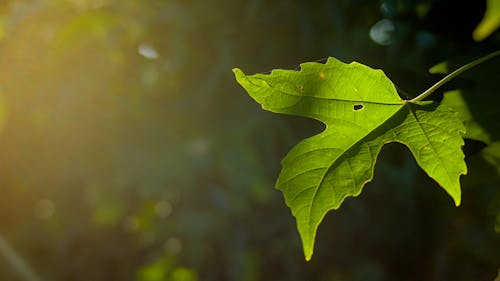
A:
362, 111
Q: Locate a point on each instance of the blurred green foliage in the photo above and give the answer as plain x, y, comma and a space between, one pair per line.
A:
128, 152
490, 21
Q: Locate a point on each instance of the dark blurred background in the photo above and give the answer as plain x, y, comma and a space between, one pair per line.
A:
129, 152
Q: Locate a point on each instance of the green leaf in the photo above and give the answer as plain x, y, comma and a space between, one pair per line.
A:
475, 98
455, 100
490, 21
362, 111
491, 154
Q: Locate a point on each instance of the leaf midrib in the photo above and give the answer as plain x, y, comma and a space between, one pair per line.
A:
309, 213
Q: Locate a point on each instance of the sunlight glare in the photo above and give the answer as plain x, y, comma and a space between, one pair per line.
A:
148, 51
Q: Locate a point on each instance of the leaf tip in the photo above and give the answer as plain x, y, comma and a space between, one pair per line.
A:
308, 248
308, 255
239, 75
237, 72
456, 196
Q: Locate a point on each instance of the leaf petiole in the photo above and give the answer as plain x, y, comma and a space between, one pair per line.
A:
453, 74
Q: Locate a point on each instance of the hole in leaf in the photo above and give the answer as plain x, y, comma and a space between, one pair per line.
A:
357, 107
300, 88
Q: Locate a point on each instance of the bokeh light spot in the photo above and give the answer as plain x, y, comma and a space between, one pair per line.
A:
148, 51
199, 146
131, 224
425, 39
163, 209
382, 32
184, 274
173, 246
